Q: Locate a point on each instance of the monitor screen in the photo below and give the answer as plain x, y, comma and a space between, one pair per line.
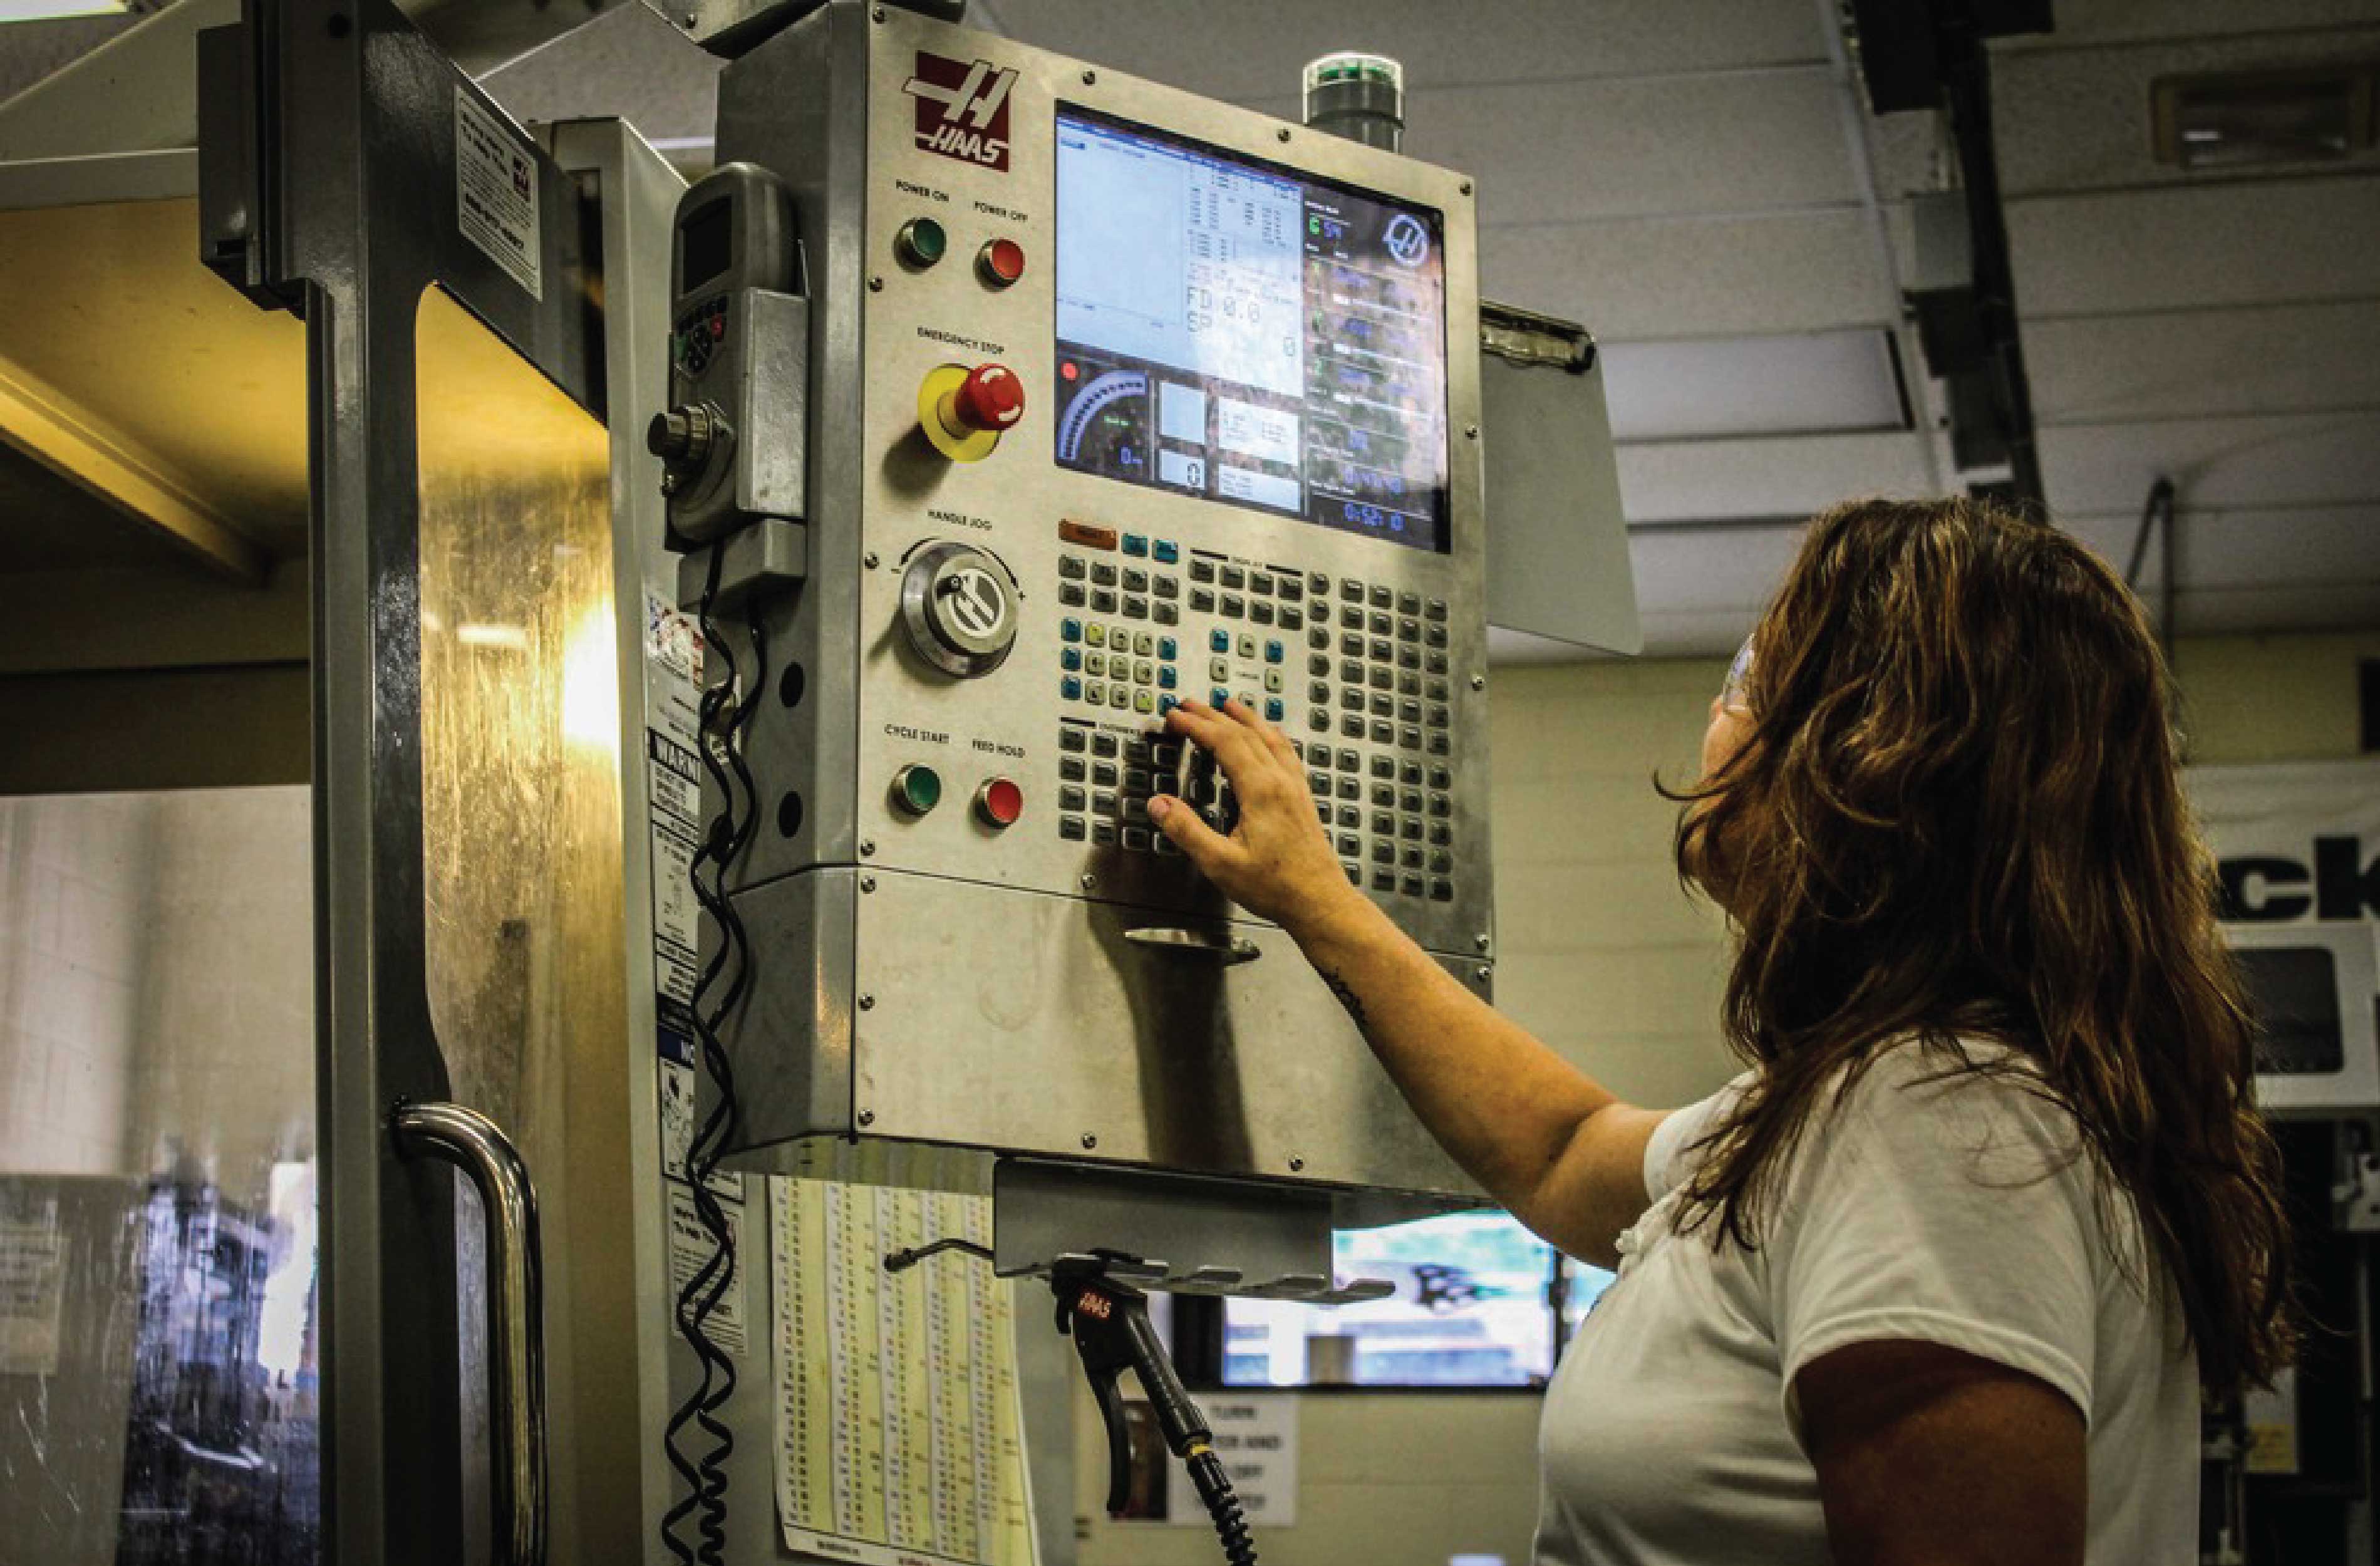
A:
2293, 996
1245, 332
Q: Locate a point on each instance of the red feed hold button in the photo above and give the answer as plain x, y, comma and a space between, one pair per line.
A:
1001, 262
999, 803
991, 398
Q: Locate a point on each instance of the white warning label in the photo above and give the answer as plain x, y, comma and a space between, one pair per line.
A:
495, 192
692, 1250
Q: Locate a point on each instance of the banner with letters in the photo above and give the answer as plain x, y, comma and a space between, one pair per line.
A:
2295, 840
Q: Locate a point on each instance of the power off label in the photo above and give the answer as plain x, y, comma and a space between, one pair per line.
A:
495, 192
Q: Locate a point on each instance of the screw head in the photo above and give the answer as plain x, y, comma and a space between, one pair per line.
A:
1090, 881
867, 846
1471, 432
1089, 77
876, 284
867, 1117
878, 13
1478, 682
868, 560
1090, 1141
867, 884
1283, 133
1480, 940
1483, 973
1465, 188
867, 1003
1295, 1163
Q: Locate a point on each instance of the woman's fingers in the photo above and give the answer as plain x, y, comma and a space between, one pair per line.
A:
1203, 844
1233, 745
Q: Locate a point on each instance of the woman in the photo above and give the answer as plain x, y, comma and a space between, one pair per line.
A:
1937, 1278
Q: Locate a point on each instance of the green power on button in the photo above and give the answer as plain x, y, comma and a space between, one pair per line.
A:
916, 788
920, 242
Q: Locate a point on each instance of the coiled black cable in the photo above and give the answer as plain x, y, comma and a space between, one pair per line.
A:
1215, 1490
718, 988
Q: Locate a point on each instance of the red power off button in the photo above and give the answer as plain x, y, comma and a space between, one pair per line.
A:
999, 803
1001, 263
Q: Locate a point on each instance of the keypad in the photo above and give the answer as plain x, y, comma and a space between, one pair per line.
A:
1357, 672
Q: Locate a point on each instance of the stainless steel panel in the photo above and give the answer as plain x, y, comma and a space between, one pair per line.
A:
1004, 1006
1558, 561
1033, 1023
1011, 503
798, 1011
521, 820
1261, 1234
624, 1480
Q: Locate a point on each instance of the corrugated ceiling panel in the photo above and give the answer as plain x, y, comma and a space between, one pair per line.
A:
1243, 49
2280, 358
2242, 243
1556, 151
1698, 480
2079, 119
2228, 463
1683, 277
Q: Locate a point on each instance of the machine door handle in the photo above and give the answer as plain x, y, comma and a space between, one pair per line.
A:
474, 1144
1228, 950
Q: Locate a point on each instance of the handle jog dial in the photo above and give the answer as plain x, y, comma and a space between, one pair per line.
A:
959, 607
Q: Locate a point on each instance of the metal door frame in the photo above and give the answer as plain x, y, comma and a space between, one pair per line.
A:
327, 186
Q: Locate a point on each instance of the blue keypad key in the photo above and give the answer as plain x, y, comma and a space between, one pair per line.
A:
1134, 543
1274, 652
1165, 703
1219, 640
1070, 688
1217, 696
1070, 629
1165, 552
1272, 710
1165, 647
1070, 658
1165, 677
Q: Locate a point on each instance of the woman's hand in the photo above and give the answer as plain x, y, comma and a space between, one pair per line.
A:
1277, 863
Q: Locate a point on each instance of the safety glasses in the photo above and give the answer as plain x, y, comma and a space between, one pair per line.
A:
1735, 695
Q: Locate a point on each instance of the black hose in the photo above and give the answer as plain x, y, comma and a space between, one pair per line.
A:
1231, 1522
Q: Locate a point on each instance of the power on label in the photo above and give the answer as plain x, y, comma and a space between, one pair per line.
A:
495, 193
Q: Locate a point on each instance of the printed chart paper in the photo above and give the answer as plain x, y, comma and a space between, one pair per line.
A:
899, 1427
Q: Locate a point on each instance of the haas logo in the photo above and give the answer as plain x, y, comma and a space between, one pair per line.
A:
962, 109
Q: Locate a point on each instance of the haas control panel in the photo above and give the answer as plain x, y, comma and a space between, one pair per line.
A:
1078, 396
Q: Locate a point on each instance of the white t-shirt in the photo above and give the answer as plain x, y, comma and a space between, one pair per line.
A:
1954, 1211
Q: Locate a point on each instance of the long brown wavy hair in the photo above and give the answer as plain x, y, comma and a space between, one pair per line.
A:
1958, 814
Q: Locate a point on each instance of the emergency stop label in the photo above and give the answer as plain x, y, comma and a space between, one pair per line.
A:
962, 109
495, 192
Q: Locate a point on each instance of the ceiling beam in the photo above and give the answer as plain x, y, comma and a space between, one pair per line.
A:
47, 428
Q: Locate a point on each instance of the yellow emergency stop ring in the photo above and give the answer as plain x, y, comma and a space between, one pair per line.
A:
940, 421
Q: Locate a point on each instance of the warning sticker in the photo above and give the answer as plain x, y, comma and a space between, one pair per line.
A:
32, 1290
690, 1246
495, 192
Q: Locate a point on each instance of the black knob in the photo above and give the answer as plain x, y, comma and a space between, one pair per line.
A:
683, 436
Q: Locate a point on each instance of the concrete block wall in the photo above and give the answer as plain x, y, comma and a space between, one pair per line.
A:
75, 878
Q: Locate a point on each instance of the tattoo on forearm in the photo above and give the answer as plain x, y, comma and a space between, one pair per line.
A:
1347, 998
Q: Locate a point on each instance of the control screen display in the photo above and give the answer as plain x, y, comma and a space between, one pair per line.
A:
1245, 332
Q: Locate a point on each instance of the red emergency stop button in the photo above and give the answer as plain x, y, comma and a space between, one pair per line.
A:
999, 803
1001, 263
990, 400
